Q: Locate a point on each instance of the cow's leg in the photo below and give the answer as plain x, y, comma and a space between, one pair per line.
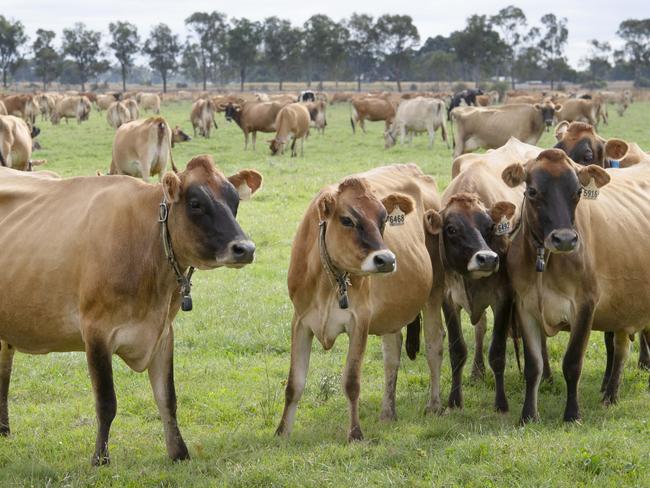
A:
194, 127
100, 368
432, 135
293, 148
497, 353
301, 339
391, 346
6, 361
609, 351
573, 358
302, 147
532, 339
457, 353
352, 375
644, 349
161, 377
362, 124
245, 140
547, 375
478, 366
434, 336
254, 139
443, 131
621, 352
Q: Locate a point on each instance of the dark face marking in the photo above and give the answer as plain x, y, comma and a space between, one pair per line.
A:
464, 234
368, 228
548, 112
585, 152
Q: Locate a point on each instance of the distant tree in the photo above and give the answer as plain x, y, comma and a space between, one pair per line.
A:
125, 45
320, 33
597, 61
511, 24
83, 47
337, 50
162, 48
244, 37
528, 65
362, 45
438, 65
191, 65
282, 46
210, 31
47, 62
12, 38
636, 34
552, 44
396, 39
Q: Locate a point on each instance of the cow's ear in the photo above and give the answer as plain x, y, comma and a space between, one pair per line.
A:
247, 182
171, 184
514, 175
560, 130
616, 149
598, 174
432, 222
404, 202
538, 106
500, 210
558, 107
326, 203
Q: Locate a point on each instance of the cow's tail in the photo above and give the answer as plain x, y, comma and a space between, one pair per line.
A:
413, 337
451, 129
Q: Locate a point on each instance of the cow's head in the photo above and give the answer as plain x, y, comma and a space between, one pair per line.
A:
547, 110
355, 220
179, 136
203, 210
232, 111
473, 237
35, 131
584, 146
554, 186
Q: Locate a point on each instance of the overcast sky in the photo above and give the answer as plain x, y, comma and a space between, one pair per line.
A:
592, 19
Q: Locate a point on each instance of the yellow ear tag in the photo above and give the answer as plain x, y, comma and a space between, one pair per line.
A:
503, 227
396, 217
591, 191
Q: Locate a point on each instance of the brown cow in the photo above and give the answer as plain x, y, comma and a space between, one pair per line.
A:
581, 143
16, 144
117, 114
202, 116
529, 99
318, 115
133, 108
120, 265
71, 107
148, 101
368, 225
253, 117
24, 106
292, 122
579, 110
45, 104
372, 109
104, 101
571, 271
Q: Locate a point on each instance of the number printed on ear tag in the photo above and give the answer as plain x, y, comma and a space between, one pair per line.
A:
591, 191
503, 227
397, 217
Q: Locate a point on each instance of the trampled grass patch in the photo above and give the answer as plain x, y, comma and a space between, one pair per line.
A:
232, 359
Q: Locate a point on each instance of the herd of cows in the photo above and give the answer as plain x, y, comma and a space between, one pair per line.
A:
531, 233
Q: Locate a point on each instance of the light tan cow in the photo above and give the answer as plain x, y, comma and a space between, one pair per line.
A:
3, 109
117, 114
16, 144
415, 116
24, 106
579, 110
148, 101
133, 108
253, 117
491, 127
202, 117
341, 97
142, 148
45, 104
71, 107
114, 290
338, 285
530, 99
317, 114
373, 109
104, 101
292, 122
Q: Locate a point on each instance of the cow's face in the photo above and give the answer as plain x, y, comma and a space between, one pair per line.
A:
356, 219
179, 136
554, 186
472, 243
202, 218
547, 110
232, 111
581, 143
389, 139
35, 131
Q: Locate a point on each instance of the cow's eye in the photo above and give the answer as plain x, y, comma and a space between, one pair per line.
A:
347, 222
195, 205
532, 192
451, 230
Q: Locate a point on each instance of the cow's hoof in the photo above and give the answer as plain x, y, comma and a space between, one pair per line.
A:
573, 416
388, 415
644, 364
355, 434
100, 460
527, 418
478, 372
4, 430
455, 399
180, 453
610, 399
434, 409
501, 406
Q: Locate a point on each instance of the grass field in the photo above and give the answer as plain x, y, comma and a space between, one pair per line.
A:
232, 358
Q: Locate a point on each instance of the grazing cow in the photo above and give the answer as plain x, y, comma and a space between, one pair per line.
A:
466, 96
479, 213
92, 96
371, 109
71, 107
202, 116
253, 117
417, 115
579, 110
366, 226
117, 114
491, 127
179, 136
341, 97
45, 104
114, 290
292, 122
16, 143
148, 101
142, 148
530, 99
24, 106
306, 96
571, 271
104, 101
317, 115
132, 106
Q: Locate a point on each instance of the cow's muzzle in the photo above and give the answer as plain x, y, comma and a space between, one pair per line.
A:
241, 252
379, 262
483, 263
561, 241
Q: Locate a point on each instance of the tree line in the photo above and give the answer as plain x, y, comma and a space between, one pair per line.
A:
217, 50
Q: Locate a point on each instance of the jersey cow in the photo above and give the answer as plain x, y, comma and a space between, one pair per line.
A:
292, 123
202, 117
372, 109
253, 117
16, 143
417, 115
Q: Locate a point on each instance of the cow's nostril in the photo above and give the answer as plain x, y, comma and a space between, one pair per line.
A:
379, 261
480, 258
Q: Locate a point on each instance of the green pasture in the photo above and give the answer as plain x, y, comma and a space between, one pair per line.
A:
232, 359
